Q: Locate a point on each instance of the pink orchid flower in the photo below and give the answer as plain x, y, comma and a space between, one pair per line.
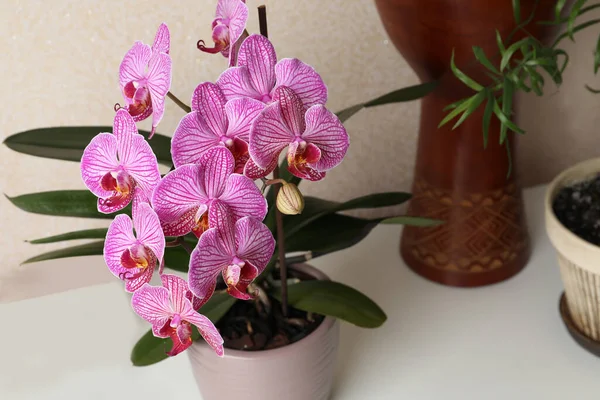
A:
188, 198
228, 26
145, 78
133, 259
258, 74
240, 252
316, 138
214, 122
118, 167
171, 313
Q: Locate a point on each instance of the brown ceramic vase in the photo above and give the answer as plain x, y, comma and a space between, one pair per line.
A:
484, 239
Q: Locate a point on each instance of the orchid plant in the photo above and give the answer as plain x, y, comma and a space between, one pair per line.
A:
214, 215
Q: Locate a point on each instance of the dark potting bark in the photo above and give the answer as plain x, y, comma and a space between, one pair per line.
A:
248, 325
252, 325
484, 238
577, 207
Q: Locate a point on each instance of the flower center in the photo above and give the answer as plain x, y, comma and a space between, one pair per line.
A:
119, 182
138, 256
220, 36
233, 272
201, 224
138, 97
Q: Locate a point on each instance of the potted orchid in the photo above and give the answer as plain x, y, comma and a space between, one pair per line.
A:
213, 216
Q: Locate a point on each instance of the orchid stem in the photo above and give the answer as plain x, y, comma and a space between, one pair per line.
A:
262, 20
281, 250
180, 103
262, 23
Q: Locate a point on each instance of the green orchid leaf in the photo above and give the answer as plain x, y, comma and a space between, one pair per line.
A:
63, 203
397, 96
336, 300
68, 142
88, 249
177, 258
330, 233
99, 233
150, 349
315, 208
412, 221
463, 77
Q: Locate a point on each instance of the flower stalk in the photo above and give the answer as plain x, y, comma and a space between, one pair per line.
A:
180, 103
262, 23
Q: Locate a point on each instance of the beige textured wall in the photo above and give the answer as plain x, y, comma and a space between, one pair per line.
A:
59, 67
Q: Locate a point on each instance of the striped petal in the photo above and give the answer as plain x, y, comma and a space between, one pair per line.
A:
152, 304
244, 198
178, 289
209, 101
236, 12
241, 113
208, 259
119, 238
324, 130
159, 83
255, 242
258, 55
292, 110
268, 136
144, 277
253, 171
191, 140
99, 158
114, 203
217, 165
235, 82
148, 230
178, 197
173, 283
134, 64
162, 40
303, 80
142, 165
124, 130
208, 331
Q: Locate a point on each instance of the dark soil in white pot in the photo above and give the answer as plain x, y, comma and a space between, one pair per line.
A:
253, 325
577, 207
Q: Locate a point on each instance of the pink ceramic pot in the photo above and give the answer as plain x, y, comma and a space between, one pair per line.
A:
300, 371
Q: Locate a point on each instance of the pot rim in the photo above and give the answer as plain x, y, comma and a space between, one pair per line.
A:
566, 242
290, 349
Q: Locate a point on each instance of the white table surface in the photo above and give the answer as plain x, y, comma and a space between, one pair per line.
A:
504, 341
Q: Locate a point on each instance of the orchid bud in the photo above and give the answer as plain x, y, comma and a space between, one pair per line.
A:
289, 199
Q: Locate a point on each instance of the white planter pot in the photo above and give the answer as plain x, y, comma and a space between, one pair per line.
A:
300, 371
578, 259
